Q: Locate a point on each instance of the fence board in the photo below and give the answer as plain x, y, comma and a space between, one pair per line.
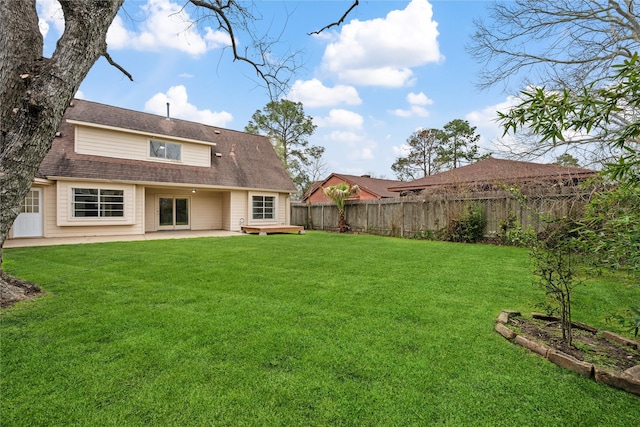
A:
413, 217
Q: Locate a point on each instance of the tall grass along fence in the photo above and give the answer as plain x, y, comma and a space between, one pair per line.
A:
425, 216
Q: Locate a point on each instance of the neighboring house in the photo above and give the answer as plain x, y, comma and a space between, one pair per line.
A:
492, 173
112, 171
370, 188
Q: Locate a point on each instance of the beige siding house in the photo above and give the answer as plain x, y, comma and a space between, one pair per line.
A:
112, 171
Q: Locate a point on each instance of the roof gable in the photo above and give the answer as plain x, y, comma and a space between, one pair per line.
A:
238, 159
378, 188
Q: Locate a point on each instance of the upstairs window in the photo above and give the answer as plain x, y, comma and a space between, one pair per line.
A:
165, 150
263, 207
97, 203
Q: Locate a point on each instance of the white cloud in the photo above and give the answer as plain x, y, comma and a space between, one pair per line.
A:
347, 137
362, 153
353, 145
313, 93
339, 118
180, 108
416, 101
49, 12
401, 151
165, 25
489, 129
382, 51
383, 76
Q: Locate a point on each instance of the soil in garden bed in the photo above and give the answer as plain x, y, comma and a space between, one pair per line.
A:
587, 346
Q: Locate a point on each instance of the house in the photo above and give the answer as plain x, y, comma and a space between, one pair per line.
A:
491, 173
112, 171
370, 188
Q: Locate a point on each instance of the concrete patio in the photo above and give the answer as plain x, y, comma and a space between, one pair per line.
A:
157, 235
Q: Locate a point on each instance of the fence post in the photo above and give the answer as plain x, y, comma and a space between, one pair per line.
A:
402, 217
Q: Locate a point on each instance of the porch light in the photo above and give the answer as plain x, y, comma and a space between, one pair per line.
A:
193, 191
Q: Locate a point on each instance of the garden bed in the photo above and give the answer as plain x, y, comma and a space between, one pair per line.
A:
602, 355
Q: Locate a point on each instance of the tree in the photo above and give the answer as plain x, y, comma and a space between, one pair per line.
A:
609, 233
459, 144
315, 170
564, 44
554, 263
566, 159
338, 194
35, 91
553, 114
421, 161
286, 125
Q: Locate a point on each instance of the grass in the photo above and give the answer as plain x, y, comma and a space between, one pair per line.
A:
286, 330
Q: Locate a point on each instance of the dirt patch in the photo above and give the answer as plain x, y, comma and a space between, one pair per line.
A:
588, 345
13, 290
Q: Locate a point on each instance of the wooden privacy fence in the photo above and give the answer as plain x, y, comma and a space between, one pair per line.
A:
418, 216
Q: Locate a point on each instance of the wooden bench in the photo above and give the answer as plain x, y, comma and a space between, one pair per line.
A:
263, 230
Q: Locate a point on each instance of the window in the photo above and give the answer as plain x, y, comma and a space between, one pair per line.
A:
164, 150
263, 207
31, 203
97, 203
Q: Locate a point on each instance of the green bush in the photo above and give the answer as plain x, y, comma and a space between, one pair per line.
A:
469, 228
511, 233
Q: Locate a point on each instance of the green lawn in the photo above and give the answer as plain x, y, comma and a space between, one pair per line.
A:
288, 330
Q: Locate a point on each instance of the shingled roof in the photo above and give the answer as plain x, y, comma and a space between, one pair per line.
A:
245, 161
491, 171
375, 186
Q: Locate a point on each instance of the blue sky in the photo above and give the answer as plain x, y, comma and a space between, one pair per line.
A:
393, 67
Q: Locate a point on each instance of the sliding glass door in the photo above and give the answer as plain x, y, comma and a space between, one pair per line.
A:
173, 213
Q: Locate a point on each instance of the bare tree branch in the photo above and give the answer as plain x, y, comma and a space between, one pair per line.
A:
118, 66
559, 42
231, 17
339, 21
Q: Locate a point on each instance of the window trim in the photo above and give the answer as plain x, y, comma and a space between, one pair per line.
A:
99, 202
264, 196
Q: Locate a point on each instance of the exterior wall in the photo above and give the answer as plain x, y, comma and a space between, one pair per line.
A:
49, 209
209, 210
238, 210
206, 208
58, 221
122, 145
150, 210
318, 195
284, 209
226, 211
206, 211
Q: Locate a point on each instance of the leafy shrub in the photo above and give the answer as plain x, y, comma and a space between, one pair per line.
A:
469, 228
511, 233
555, 263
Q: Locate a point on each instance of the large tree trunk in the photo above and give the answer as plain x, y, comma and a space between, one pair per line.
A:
35, 91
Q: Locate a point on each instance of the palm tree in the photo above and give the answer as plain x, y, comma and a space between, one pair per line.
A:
338, 194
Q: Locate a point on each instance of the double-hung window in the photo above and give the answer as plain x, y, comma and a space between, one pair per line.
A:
165, 150
97, 203
263, 207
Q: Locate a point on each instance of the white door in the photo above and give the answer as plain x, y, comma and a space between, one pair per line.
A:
29, 220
